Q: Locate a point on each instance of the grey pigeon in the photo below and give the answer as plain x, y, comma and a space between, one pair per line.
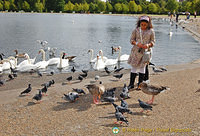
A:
48, 84
163, 68
73, 69
79, 91
156, 70
119, 116
109, 99
10, 77
80, 78
125, 93
38, 97
110, 92
84, 71
124, 103
107, 71
44, 89
117, 70
27, 90
39, 73
2, 82
122, 109
72, 96
144, 105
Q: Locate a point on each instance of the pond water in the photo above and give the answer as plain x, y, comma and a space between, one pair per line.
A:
75, 34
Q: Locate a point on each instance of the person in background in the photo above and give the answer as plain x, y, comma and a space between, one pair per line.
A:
142, 39
195, 14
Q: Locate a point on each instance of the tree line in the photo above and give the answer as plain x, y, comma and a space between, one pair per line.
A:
98, 6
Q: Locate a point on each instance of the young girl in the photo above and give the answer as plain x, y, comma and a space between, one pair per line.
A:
142, 39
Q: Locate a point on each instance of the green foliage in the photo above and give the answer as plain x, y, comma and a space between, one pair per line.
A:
85, 7
39, 6
125, 8
77, 7
6, 5
133, 8
109, 7
118, 7
1, 5
69, 7
101, 6
197, 6
172, 5
60, 5
93, 7
152, 8
26, 6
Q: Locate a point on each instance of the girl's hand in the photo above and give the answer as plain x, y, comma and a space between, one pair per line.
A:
145, 46
140, 45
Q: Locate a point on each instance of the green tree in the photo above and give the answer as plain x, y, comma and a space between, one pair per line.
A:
118, 7
50, 5
93, 7
77, 7
101, 6
6, 5
133, 8
152, 8
1, 5
59, 5
139, 9
39, 6
85, 7
109, 7
197, 6
125, 8
69, 7
26, 6
12, 5
162, 4
19, 4
172, 5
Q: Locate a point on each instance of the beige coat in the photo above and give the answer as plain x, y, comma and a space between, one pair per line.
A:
148, 36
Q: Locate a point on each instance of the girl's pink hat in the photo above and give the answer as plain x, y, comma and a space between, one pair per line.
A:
146, 18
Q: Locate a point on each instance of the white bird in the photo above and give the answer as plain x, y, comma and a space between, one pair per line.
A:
106, 60
99, 64
42, 64
123, 57
28, 61
63, 62
6, 64
102, 57
91, 51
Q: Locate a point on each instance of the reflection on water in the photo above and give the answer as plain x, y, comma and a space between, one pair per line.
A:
77, 33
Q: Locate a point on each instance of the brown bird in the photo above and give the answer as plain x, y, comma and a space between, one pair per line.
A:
21, 55
70, 58
152, 90
114, 49
97, 90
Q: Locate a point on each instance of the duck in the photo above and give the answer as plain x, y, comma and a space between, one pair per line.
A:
21, 55
97, 90
42, 64
114, 49
152, 90
123, 57
99, 64
63, 62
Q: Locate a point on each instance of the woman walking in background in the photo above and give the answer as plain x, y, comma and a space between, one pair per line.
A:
142, 39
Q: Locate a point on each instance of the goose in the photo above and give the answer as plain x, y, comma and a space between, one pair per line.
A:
107, 61
123, 57
99, 64
28, 61
63, 62
91, 51
42, 64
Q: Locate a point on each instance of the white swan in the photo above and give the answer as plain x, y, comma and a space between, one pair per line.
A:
108, 61
91, 51
42, 64
6, 64
27, 67
123, 57
63, 62
28, 61
99, 64
102, 57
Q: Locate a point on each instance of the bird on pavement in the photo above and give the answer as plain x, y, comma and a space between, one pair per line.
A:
71, 96
27, 90
118, 76
117, 70
125, 93
144, 106
38, 97
152, 90
79, 91
119, 116
73, 69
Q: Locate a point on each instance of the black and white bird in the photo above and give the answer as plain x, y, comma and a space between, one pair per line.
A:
155, 70
73, 69
71, 96
79, 91
118, 76
118, 70
124, 103
122, 109
39, 73
80, 78
27, 90
10, 77
84, 71
48, 84
44, 90
163, 68
119, 116
38, 97
144, 106
84, 75
125, 93
69, 78
107, 71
